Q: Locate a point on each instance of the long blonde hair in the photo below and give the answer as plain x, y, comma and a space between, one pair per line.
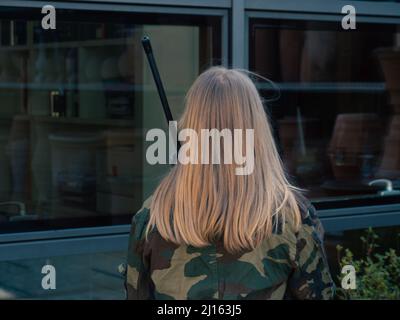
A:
195, 204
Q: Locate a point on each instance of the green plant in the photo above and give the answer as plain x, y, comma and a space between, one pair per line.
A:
377, 273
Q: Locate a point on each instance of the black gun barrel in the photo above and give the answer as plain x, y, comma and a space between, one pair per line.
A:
157, 79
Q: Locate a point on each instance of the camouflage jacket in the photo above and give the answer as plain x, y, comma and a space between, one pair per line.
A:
288, 265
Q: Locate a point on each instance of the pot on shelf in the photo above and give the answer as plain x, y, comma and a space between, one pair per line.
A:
390, 164
355, 146
390, 62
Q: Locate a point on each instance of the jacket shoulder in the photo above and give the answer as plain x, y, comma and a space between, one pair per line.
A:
310, 221
140, 219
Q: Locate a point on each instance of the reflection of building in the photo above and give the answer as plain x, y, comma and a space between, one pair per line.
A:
75, 104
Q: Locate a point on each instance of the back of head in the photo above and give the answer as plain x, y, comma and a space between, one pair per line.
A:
200, 201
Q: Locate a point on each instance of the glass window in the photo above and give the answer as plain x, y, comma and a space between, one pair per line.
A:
75, 104
337, 120
78, 277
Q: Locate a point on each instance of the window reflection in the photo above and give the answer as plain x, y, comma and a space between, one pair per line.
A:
75, 104
337, 119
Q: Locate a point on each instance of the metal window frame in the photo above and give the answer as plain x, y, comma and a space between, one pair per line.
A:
319, 10
236, 15
42, 244
37, 249
139, 7
360, 217
46, 244
172, 3
363, 8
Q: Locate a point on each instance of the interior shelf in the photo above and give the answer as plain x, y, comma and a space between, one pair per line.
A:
96, 86
70, 44
361, 87
82, 121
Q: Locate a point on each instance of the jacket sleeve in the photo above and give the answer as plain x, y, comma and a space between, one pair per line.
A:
311, 278
138, 282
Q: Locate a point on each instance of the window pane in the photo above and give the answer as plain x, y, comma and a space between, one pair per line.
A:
75, 104
81, 277
337, 119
